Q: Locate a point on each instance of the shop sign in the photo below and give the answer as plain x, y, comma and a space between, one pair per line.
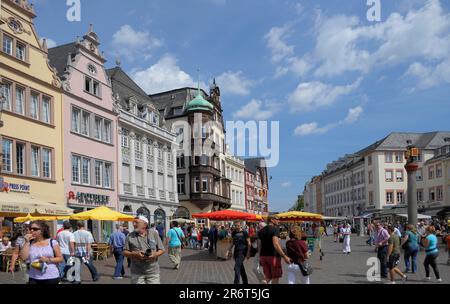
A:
11, 187
89, 199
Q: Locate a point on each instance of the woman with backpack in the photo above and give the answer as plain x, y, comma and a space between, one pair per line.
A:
43, 253
410, 243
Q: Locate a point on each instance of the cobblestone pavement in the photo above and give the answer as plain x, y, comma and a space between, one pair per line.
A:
200, 267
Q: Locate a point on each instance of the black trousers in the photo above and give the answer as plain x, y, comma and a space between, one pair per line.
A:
44, 282
239, 269
430, 260
382, 256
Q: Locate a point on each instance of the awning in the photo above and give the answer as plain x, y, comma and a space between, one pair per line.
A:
14, 205
419, 216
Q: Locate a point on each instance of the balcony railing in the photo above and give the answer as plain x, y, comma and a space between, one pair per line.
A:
210, 197
126, 155
151, 192
205, 169
138, 155
162, 194
140, 191
127, 189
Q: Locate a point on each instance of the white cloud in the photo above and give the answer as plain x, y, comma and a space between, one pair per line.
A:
353, 115
132, 44
234, 83
430, 76
50, 42
254, 110
310, 96
313, 128
275, 42
164, 75
286, 184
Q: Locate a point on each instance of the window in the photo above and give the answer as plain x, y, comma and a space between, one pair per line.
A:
35, 161
431, 172
76, 120
96, 91
369, 160
181, 185
197, 184
20, 159
88, 84
389, 176
388, 157
92, 70
98, 173
126, 174
46, 163
98, 128
107, 131
107, 176
178, 111
7, 155
420, 195
85, 172
6, 92
419, 175
138, 144
76, 164
149, 149
20, 100
180, 162
400, 197
371, 198
85, 123
7, 45
399, 157
438, 171
125, 139
205, 184
34, 106
45, 114
21, 51
389, 197
432, 195
399, 175
439, 193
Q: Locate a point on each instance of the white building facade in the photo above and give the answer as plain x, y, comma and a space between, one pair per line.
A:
235, 168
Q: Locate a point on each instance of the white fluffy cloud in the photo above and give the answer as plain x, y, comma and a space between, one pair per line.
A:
430, 76
345, 44
310, 96
164, 75
132, 44
275, 42
313, 128
255, 110
234, 83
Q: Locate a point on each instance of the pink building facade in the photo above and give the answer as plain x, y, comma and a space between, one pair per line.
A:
90, 129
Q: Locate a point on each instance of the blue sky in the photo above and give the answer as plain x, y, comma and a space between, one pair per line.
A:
336, 81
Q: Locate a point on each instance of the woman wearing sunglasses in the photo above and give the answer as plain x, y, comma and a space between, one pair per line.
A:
43, 253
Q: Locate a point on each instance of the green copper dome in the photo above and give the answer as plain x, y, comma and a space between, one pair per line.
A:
199, 104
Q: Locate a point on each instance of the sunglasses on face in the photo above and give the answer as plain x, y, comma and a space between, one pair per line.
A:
35, 229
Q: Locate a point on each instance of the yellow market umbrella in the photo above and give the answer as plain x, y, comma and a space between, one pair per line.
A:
102, 214
297, 216
30, 217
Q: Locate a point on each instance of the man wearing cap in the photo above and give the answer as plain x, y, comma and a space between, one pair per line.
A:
271, 252
143, 247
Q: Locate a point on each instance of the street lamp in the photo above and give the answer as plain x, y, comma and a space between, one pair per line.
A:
412, 155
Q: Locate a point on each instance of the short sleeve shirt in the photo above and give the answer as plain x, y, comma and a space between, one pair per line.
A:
394, 240
138, 243
240, 242
266, 236
175, 235
432, 244
64, 238
82, 239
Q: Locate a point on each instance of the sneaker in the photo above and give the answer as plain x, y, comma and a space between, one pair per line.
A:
427, 279
404, 279
390, 282
439, 280
117, 278
95, 279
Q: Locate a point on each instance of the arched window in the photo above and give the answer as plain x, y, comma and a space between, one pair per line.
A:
144, 212
160, 217
182, 212
127, 209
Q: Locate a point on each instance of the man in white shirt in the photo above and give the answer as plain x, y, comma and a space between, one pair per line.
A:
66, 242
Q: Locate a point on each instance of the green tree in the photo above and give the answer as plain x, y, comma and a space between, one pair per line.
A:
299, 205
